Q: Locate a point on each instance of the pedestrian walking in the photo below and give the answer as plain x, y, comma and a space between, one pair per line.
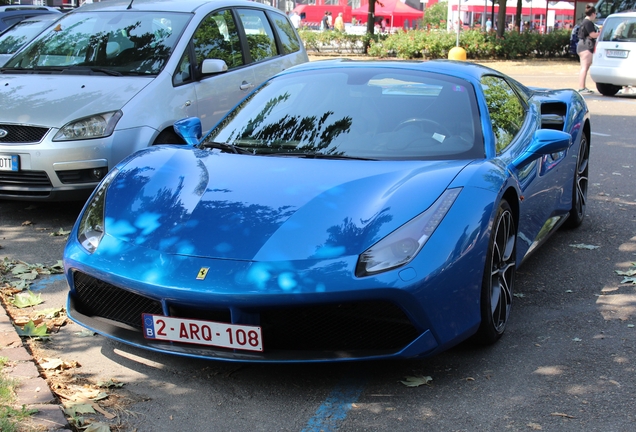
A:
588, 32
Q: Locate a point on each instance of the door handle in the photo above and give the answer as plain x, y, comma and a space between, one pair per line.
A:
246, 86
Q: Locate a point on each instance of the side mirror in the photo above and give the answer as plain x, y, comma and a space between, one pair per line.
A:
544, 142
213, 66
189, 129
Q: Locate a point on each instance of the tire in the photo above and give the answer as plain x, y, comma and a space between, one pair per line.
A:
579, 190
607, 89
168, 137
499, 277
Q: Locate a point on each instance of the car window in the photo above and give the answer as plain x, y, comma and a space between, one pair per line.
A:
259, 34
217, 37
619, 29
136, 43
286, 34
506, 110
19, 34
360, 113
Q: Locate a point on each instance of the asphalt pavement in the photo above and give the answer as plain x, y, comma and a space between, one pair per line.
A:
566, 363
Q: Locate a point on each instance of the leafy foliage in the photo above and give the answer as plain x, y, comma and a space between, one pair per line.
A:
436, 16
434, 44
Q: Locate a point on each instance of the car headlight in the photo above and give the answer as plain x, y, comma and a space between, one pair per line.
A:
403, 244
91, 226
95, 126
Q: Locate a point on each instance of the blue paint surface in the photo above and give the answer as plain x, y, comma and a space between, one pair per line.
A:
45, 282
334, 409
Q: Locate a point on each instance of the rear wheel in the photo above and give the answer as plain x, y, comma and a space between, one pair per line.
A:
499, 277
579, 192
607, 89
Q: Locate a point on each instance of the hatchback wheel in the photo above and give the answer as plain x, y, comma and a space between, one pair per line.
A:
607, 89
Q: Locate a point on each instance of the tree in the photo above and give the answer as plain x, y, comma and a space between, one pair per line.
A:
436, 14
501, 18
371, 17
518, 15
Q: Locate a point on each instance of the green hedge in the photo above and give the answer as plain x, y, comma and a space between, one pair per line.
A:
425, 44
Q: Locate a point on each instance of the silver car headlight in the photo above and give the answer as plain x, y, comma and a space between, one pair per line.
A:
95, 126
403, 244
91, 226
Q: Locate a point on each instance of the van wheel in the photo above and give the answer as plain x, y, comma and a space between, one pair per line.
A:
607, 89
168, 137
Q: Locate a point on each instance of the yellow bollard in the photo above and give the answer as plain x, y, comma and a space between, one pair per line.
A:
457, 53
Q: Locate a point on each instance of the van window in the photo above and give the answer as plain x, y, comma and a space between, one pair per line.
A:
620, 29
217, 37
259, 34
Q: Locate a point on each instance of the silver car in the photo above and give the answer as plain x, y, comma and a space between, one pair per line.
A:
112, 77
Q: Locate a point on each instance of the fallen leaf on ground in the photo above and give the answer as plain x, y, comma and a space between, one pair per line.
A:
416, 381
26, 299
31, 330
109, 384
534, 426
97, 427
558, 414
584, 246
61, 232
26, 223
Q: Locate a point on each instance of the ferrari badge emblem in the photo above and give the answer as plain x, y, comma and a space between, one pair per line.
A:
203, 273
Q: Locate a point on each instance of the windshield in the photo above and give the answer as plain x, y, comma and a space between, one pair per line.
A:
21, 33
619, 29
129, 42
370, 113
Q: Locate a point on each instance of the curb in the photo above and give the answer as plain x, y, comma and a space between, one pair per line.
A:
32, 390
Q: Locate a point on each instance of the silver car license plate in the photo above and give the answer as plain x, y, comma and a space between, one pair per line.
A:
617, 53
9, 163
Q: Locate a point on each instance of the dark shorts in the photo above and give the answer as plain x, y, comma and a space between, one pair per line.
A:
584, 46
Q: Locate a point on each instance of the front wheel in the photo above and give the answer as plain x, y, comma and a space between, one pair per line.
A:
607, 89
499, 277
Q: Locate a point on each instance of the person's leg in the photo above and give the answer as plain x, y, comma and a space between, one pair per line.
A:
586, 62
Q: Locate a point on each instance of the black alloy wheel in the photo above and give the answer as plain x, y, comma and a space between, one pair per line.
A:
499, 277
579, 192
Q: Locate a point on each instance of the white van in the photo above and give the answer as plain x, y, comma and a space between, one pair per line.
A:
112, 77
614, 60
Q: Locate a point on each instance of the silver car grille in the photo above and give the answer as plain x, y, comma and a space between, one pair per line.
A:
21, 134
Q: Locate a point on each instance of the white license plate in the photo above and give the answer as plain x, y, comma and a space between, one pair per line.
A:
234, 336
616, 53
9, 163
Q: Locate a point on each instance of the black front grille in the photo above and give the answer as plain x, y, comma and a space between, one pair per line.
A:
363, 326
34, 184
97, 298
22, 134
373, 325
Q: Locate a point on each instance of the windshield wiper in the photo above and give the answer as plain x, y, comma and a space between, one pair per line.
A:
110, 72
317, 156
228, 148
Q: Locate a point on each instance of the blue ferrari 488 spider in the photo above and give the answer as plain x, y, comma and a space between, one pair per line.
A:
343, 211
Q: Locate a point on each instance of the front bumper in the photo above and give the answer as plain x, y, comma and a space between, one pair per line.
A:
325, 315
67, 170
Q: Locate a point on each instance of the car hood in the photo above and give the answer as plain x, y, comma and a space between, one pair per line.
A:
210, 204
54, 100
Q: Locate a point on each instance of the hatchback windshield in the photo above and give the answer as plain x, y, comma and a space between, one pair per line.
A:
619, 29
356, 113
137, 43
